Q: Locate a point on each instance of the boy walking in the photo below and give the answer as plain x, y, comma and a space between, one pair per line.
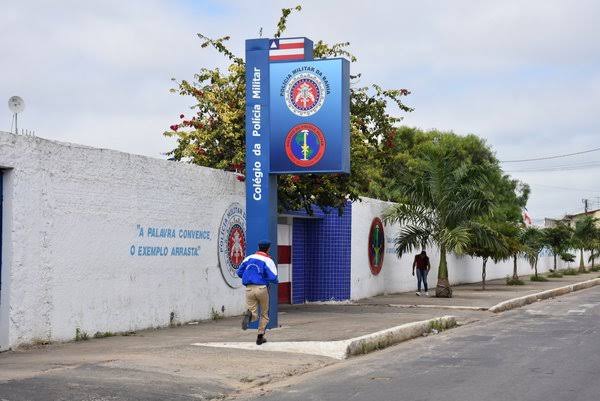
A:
257, 271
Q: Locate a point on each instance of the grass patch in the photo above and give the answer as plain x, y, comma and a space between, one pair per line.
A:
555, 274
514, 281
595, 269
81, 335
215, 315
570, 272
104, 334
40, 341
441, 325
538, 278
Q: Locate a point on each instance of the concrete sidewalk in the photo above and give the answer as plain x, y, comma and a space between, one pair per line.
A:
471, 295
164, 363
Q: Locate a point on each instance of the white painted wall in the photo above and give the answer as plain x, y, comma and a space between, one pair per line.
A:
396, 274
71, 216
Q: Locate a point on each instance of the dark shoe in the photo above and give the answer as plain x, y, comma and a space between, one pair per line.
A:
261, 339
247, 316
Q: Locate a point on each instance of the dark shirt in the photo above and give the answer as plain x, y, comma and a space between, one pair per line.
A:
422, 261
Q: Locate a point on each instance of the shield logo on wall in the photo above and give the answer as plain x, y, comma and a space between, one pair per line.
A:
232, 243
376, 246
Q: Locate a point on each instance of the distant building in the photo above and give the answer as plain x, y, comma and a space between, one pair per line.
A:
571, 219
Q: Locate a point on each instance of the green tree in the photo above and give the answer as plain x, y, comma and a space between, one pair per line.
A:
214, 135
595, 249
486, 243
511, 199
533, 243
557, 239
443, 196
584, 234
504, 221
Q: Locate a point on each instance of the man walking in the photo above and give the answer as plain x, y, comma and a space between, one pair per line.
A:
422, 264
257, 272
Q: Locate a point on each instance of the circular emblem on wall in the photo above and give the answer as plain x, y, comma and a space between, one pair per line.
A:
305, 145
376, 246
232, 243
305, 94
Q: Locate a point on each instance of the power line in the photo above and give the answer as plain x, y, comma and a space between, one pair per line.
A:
588, 190
564, 167
550, 157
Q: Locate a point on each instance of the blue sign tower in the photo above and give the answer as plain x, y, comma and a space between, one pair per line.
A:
297, 122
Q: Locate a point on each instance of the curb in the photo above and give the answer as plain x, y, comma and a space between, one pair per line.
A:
385, 338
529, 299
343, 349
451, 307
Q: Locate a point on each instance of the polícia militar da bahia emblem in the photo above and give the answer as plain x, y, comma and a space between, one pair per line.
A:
376, 246
305, 145
305, 94
232, 243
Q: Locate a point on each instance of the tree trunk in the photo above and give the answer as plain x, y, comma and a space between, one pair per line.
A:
581, 263
554, 254
443, 290
535, 267
592, 259
483, 274
515, 273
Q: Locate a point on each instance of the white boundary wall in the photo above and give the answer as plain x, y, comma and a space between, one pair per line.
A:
396, 274
71, 215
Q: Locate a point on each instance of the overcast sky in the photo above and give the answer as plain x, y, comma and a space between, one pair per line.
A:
525, 75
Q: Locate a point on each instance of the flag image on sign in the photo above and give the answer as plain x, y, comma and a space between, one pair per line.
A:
286, 49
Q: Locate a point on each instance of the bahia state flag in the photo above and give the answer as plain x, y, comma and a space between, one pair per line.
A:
286, 49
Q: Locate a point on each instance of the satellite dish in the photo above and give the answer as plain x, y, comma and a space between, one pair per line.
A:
16, 104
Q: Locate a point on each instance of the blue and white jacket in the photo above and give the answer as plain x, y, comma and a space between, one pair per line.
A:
257, 269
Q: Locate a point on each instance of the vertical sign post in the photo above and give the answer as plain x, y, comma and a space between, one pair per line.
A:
261, 186
297, 122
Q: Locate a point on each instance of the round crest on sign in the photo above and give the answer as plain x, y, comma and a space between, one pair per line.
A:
305, 94
376, 246
305, 145
232, 243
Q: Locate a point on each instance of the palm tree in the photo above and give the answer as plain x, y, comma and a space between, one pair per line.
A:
594, 249
486, 243
513, 233
441, 205
533, 243
583, 237
558, 239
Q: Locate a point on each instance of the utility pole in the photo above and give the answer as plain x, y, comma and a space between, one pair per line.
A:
585, 204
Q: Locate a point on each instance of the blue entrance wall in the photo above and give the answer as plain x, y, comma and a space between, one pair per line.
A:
321, 256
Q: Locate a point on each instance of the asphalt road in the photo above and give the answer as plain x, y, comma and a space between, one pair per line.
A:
547, 351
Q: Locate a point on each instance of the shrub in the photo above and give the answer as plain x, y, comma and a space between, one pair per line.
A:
215, 315
81, 335
104, 334
514, 281
570, 272
555, 274
538, 278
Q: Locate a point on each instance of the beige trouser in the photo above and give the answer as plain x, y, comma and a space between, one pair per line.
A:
258, 295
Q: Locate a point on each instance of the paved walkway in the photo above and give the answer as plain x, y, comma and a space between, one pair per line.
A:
471, 295
162, 361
